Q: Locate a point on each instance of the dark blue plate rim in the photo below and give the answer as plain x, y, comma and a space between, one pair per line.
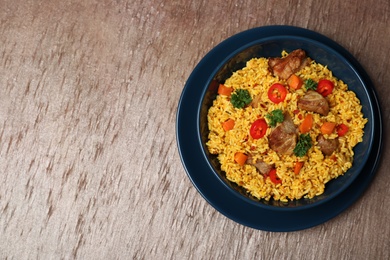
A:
212, 189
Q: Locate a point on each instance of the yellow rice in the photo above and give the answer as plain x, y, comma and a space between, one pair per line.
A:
318, 169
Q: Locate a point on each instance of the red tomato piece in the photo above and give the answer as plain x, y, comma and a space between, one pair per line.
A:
325, 87
342, 129
258, 128
273, 177
277, 93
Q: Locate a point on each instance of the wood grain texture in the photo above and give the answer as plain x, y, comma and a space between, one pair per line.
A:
89, 167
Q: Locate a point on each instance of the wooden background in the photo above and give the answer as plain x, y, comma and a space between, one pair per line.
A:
89, 167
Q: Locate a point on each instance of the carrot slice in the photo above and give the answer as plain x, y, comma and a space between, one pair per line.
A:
297, 167
228, 125
223, 90
306, 124
240, 158
327, 128
294, 82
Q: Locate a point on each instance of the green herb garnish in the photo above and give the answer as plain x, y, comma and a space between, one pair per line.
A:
310, 84
276, 116
240, 98
303, 145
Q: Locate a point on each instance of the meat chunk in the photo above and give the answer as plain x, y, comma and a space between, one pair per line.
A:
314, 102
261, 166
256, 101
292, 63
283, 138
327, 146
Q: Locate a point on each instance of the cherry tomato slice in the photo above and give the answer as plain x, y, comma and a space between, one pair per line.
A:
277, 93
273, 177
342, 129
325, 87
258, 128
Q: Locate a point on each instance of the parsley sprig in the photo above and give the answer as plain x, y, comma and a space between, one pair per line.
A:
303, 145
240, 98
310, 84
274, 117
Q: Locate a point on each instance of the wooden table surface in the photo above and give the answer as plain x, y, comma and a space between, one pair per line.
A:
89, 166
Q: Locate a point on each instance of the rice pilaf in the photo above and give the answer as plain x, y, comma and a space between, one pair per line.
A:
318, 169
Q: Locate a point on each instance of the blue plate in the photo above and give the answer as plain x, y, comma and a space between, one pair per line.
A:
210, 185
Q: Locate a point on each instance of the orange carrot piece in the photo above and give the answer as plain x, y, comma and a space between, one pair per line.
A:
223, 90
327, 128
240, 158
306, 124
228, 125
297, 167
294, 82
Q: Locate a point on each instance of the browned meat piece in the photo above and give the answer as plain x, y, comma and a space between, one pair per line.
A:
256, 101
261, 166
327, 146
283, 138
285, 67
314, 102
